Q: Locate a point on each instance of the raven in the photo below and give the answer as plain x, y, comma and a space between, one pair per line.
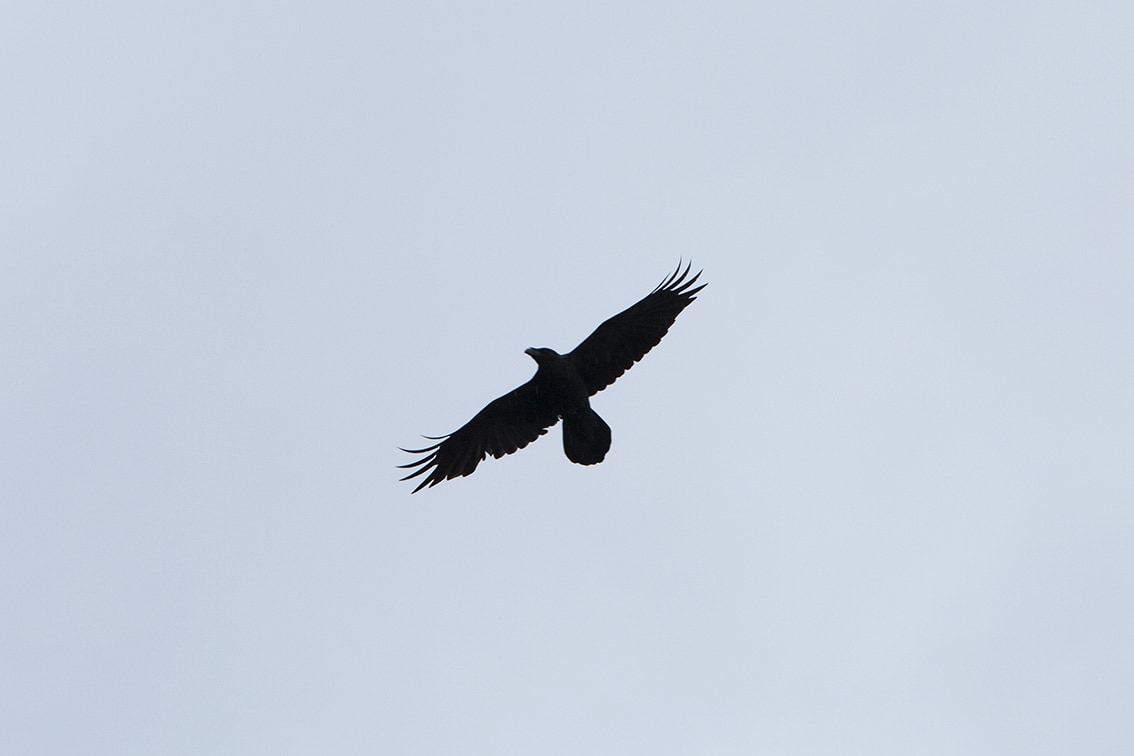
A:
560, 389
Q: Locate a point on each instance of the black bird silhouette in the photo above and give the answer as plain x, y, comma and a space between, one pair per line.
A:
561, 388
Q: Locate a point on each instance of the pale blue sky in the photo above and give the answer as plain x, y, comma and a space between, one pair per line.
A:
872, 494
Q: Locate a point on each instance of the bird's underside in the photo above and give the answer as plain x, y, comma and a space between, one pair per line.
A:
560, 389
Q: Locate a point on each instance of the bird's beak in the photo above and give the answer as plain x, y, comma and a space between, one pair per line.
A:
531, 352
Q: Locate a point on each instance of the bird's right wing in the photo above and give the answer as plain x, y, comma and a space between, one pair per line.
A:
509, 423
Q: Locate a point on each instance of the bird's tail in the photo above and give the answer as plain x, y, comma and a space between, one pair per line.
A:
586, 437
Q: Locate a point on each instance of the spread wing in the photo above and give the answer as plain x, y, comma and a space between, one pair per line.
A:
626, 338
509, 423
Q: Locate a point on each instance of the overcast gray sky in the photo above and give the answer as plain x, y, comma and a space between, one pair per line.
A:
871, 495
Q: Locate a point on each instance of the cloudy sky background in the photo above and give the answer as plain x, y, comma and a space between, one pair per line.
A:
872, 494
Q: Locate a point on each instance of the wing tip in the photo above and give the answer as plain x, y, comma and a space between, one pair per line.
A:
676, 281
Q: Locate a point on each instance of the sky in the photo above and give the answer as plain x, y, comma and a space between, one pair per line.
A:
871, 495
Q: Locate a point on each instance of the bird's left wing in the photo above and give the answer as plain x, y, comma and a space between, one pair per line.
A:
625, 338
509, 423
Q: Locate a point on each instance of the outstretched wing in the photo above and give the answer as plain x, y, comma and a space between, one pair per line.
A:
509, 423
626, 338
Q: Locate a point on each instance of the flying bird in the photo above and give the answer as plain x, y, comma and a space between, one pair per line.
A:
560, 389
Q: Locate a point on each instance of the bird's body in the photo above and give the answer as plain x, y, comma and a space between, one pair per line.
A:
560, 389
586, 436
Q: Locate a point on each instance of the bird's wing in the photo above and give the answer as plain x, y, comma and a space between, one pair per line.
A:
626, 338
509, 423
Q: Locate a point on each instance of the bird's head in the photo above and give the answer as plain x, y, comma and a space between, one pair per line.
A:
542, 355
